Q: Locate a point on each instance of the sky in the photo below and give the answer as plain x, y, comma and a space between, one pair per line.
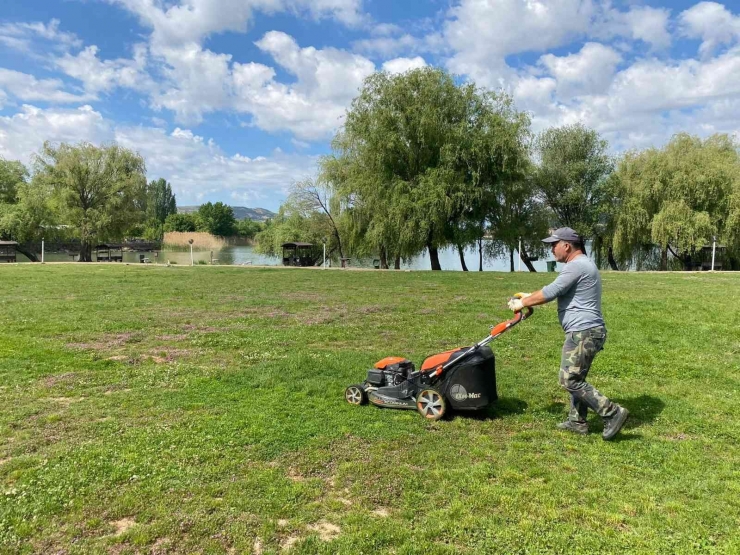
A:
235, 100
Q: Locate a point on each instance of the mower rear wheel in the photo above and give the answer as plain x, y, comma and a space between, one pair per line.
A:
355, 395
431, 404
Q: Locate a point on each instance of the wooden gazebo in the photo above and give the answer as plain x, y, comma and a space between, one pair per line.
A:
108, 253
297, 254
7, 251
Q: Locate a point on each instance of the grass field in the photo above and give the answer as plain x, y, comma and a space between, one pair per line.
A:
200, 410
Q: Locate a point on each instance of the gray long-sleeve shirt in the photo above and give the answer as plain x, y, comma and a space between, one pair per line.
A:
578, 290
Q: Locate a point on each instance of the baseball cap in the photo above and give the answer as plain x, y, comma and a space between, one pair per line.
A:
563, 234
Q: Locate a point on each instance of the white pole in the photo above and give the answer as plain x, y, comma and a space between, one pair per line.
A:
520, 254
714, 246
324, 256
191, 255
42, 250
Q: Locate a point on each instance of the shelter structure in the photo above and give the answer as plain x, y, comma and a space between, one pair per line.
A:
298, 254
7, 251
108, 253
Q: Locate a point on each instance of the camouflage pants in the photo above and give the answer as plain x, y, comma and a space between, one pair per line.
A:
579, 350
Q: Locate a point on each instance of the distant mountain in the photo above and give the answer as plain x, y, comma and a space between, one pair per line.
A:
240, 212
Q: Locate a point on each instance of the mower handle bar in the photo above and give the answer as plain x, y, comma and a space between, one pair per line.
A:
495, 332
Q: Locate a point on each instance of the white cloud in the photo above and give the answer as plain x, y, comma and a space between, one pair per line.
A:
183, 22
482, 33
199, 170
196, 167
402, 65
590, 71
313, 106
29, 89
20, 36
713, 23
23, 134
103, 76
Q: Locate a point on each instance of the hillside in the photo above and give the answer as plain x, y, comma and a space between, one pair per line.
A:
240, 212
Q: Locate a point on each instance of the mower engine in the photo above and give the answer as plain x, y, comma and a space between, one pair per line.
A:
389, 371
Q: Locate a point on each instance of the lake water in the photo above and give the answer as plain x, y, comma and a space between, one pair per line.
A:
245, 255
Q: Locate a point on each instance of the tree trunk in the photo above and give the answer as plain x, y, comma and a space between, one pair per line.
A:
612, 262
511, 259
526, 260
383, 258
397, 264
664, 259
434, 257
462, 258
27, 253
85, 251
480, 254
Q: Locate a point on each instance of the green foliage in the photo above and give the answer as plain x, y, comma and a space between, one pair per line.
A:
95, 189
571, 175
416, 158
181, 223
217, 219
12, 175
248, 228
160, 201
678, 197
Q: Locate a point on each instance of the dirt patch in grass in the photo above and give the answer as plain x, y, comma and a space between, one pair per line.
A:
370, 309
66, 401
381, 512
123, 525
172, 337
289, 542
257, 546
3, 461
326, 530
108, 341
202, 329
51, 381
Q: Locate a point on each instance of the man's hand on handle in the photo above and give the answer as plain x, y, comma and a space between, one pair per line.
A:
515, 303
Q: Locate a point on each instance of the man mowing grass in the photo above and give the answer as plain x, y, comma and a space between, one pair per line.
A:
578, 290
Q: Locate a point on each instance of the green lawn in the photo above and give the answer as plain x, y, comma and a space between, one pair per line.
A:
201, 410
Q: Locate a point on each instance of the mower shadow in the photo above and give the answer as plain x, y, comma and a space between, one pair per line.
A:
502, 407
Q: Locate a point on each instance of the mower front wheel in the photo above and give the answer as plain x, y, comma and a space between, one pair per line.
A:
355, 395
431, 404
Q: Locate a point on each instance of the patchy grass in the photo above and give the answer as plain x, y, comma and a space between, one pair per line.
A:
200, 410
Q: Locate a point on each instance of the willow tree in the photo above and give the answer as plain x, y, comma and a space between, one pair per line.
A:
97, 190
26, 214
678, 197
573, 166
415, 157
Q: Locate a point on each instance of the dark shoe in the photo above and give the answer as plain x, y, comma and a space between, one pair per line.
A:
614, 424
577, 427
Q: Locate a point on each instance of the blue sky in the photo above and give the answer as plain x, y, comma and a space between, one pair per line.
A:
234, 100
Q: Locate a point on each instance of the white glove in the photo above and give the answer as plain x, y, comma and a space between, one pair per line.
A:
516, 305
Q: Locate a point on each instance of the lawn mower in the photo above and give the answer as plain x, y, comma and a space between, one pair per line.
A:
461, 379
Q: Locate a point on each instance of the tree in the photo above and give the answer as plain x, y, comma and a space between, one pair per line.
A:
160, 200
309, 196
180, 222
248, 228
411, 161
573, 167
291, 223
12, 174
677, 197
26, 214
95, 189
217, 219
